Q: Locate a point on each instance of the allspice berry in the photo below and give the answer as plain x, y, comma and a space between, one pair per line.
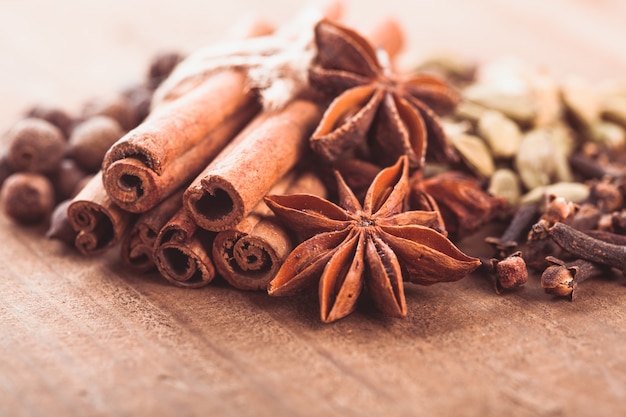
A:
5, 171
140, 97
54, 115
161, 66
35, 145
67, 178
27, 197
60, 226
91, 139
119, 108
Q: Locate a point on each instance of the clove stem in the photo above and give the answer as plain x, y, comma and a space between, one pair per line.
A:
586, 247
523, 218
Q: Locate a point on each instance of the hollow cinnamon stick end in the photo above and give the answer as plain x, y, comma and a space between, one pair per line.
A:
214, 205
132, 185
250, 261
184, 265
95, 231
136, 255
99, 223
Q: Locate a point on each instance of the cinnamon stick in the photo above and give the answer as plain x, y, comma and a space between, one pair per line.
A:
240, 176
249, 255
181, 252
176, 140
137, 249
99, 222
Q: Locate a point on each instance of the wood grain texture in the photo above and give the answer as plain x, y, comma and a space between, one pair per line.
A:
83, 337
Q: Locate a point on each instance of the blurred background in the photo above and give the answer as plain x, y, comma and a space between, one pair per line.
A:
64, 53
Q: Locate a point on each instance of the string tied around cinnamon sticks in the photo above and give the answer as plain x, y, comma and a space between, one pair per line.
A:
276, 65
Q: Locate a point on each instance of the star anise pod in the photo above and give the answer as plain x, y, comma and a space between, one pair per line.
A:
377, 245
463, 204
378, 115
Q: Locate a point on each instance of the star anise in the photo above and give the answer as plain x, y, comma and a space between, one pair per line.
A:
378, 115
377, 245
463, 204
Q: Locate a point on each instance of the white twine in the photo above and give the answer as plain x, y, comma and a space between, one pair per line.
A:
276, 65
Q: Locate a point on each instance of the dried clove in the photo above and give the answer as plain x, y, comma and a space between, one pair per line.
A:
537, 250
586, 217
608, 237
618, 221
557, 209
584, 246
562, 278
606, 195
521, 222
508, 273
590, 168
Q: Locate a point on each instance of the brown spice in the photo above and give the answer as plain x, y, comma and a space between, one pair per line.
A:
375, 245
118, 108
137, 248
27, 197
236, 181
67, 179
562, 278
5, 170
182, 252
249, 255
463, 204
377, 115
139, 96
185, 131
358, 175
509, 272
586, 247
161, 66
100, 223
56, 116
60, 226
522, 220
176, 140
35, 145
91, 139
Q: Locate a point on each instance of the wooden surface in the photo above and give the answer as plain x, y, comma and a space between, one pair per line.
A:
82, 337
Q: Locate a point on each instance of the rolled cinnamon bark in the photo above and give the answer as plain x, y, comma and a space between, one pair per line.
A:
176, 141
242, 174
181, 252
137, 249
249, 255
99, 222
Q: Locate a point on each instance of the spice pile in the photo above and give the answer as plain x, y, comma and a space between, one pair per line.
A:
357, 179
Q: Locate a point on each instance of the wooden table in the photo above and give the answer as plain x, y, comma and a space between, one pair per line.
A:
82, 337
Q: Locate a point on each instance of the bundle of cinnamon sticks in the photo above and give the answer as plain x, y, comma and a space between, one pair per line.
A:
182, 192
